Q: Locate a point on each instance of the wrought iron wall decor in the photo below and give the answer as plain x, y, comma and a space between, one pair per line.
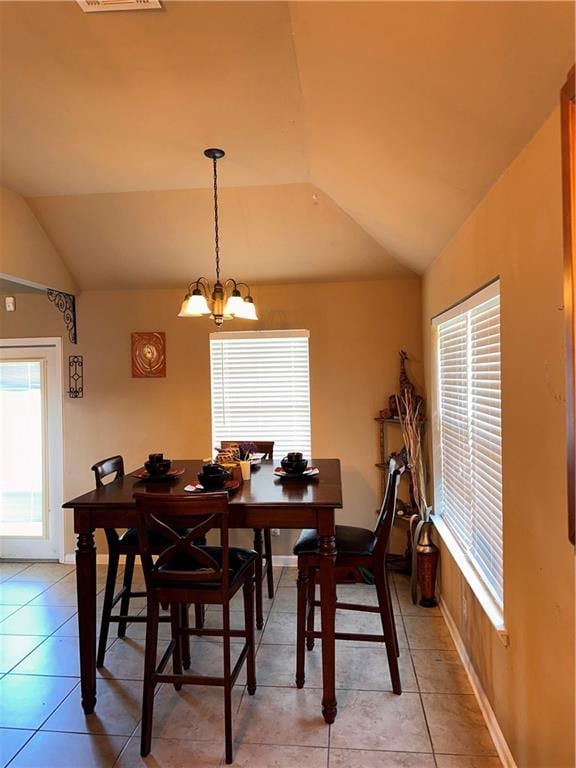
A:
65, 303
75, 376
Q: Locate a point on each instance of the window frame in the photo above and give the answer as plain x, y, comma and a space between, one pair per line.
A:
220, 336
471, 573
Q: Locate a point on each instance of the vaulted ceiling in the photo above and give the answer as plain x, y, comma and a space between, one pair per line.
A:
359, 136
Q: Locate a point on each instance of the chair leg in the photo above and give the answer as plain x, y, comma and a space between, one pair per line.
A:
199, 615
258, 566
185, 637
396, 645
175, 622
387, 618
109, 592
268, 556
248, 590
125, 601
227, 682
152, 611
302, 607
310, 607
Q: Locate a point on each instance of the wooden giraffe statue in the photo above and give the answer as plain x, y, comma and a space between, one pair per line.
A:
405, 383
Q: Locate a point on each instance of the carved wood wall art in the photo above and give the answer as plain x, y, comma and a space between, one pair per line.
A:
149, 355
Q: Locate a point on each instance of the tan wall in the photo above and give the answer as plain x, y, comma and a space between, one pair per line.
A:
26, 253
356, 331
516, 233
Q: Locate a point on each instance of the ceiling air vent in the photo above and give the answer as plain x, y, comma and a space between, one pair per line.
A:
93, 6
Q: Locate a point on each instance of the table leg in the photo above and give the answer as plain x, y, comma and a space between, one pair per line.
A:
86, 589
327, 552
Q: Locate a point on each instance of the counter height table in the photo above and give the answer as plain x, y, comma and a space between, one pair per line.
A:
265, 501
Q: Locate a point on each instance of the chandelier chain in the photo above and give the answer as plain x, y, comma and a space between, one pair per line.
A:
216, 230
220, 301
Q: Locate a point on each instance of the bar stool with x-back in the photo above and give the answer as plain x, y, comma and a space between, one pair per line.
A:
359, 552
186, 572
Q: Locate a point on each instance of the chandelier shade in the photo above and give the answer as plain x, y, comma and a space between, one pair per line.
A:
222, 301
194, 305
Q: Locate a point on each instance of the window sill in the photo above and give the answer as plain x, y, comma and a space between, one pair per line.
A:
490, 606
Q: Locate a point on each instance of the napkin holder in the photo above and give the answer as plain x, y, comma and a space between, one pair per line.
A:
234, 468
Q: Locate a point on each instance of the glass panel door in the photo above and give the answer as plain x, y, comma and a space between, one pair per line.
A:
30, 449
23, 448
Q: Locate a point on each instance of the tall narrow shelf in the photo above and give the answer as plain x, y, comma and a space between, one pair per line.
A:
404, 509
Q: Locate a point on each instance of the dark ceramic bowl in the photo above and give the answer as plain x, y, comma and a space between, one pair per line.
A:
213, 482
158, 467
214, 469
294, 466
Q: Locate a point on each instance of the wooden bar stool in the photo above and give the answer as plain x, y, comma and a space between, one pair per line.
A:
118, 544
262, 537
358, 550
185, 573
121, 544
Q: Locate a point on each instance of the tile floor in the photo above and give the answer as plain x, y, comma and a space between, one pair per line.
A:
435, 723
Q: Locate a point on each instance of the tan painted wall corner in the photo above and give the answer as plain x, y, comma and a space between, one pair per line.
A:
353, 362
26, 253
516, 233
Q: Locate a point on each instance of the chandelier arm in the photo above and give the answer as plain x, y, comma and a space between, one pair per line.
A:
203, 283
245, 286
231, 281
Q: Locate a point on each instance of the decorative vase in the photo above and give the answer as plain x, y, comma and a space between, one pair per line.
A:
427, 559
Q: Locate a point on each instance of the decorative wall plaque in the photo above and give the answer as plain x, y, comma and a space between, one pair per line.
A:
149, 355
76, 376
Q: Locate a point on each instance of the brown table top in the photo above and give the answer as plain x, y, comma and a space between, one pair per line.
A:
263, 489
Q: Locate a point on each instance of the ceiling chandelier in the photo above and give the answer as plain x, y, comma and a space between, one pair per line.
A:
224, 301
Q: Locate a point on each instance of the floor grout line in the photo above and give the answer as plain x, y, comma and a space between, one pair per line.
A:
260, 643
415, 676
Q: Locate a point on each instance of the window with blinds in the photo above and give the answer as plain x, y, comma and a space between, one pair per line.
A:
261, 389
468, 432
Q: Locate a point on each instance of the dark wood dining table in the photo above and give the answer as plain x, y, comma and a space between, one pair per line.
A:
263, 501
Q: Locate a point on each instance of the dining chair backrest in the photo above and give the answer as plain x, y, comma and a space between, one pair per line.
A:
388, 509
181, 521
262, 446
112, 466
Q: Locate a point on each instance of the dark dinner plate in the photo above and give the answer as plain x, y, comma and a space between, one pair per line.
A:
308, 472
170, 475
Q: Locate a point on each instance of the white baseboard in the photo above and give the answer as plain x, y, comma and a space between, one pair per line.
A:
70, 559
491, 722
289, 561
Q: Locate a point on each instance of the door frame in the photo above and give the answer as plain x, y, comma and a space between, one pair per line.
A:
55, 437
567, 97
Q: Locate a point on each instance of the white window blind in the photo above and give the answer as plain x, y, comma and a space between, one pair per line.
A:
261, 389
468, 432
